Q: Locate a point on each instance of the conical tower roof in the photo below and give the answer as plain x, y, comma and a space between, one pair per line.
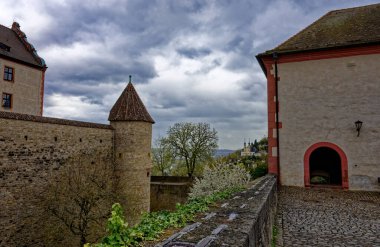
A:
129, 107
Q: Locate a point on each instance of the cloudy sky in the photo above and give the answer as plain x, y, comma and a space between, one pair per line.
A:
191, 61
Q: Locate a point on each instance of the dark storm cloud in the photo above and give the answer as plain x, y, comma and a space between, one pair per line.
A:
239, 63
153, 23
167, 101
211, 108
235, 43
253, 89
190, 60
206, 68
124, 33
90, 89
102, 71
143, 26
193, 52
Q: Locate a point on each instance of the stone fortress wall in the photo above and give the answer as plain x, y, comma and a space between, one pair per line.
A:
34, 148
31, 149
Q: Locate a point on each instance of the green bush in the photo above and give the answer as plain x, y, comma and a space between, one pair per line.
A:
259, 171
119, 234
154, 223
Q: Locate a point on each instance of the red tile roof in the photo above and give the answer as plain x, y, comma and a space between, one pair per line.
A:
129, 107
20, 48
338, 28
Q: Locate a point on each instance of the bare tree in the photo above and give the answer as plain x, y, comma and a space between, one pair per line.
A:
80, 196
192, 142
162, 156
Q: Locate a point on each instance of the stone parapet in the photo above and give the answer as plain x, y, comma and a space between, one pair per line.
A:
50, 120
245, 220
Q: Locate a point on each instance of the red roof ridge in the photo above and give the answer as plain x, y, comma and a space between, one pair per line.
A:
129, 107
20, 48
28, 46
353, 8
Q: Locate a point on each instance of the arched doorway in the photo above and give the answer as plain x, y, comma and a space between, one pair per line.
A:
325, 167
325, 164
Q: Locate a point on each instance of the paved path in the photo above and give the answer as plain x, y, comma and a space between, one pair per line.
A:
326, 217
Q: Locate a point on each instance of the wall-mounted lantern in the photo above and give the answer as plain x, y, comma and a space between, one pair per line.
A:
358, 125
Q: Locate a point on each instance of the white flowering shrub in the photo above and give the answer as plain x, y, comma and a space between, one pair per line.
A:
219, 178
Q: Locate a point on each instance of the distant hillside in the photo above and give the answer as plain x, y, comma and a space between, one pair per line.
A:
222, 152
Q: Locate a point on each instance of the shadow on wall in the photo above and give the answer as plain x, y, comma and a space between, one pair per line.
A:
167, 191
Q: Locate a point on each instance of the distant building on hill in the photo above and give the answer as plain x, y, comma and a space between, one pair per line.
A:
324, 101
249, 149
22, 73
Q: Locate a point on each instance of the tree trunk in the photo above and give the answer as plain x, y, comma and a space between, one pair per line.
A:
82, 241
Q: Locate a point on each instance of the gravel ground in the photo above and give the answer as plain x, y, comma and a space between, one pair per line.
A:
327, 217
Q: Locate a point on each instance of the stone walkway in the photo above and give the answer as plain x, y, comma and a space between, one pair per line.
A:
326, 217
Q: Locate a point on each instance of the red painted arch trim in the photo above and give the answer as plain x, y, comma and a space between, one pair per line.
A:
343, 160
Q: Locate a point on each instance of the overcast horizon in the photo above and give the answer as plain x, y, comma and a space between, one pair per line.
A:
190, 61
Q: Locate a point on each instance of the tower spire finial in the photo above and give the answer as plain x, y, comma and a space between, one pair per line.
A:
130, 78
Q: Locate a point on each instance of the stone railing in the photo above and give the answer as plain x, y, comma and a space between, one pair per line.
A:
244, 220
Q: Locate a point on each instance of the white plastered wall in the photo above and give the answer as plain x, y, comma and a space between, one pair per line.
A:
319, 102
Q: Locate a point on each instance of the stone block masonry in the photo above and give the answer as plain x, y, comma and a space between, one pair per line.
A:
246, 220
133, 159
166, 192
31, 149
36, 151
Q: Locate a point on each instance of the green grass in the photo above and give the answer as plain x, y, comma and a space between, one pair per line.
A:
154, 223
274, 235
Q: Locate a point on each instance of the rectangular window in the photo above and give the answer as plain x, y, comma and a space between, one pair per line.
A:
8, 73
7, 101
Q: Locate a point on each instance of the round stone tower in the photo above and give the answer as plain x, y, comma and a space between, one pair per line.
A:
132, 148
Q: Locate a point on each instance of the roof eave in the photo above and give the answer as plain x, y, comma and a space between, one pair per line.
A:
261, 63
283, 52
131, 120
270, 52
23, 62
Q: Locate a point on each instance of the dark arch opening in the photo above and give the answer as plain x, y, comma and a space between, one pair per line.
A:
325, 167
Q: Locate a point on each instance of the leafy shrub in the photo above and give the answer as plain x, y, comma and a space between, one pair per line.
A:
220, 177
259, 171
154, 223
119, 234
318, 180
217, 183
